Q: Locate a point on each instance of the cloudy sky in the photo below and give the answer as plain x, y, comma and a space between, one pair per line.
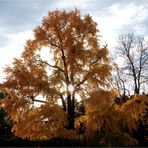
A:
114, 17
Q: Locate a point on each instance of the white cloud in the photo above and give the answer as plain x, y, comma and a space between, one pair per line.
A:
13, 49
63, 4
146, 38
118, 16
2, 29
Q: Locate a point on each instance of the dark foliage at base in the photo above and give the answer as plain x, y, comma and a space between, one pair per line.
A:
56, 142
114, 140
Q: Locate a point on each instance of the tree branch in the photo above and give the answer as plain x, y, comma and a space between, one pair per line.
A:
36, 100
85, 78
53, 66
63, 102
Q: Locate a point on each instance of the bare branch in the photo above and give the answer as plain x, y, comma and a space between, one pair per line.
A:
135, 51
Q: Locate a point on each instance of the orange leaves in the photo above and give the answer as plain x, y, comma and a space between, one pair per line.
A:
74, 44
53, 112
41, 123
14, 105
133, 110
41, 36
99, 100
104, 71
29, 126
77, 59
101, 116
102, 54
30, 47
92, 42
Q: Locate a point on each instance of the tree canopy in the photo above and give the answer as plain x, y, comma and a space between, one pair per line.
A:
77, 66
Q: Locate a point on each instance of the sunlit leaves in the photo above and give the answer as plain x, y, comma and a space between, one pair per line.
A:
133, 110
101, 115
40, 123
104, 118
75, 58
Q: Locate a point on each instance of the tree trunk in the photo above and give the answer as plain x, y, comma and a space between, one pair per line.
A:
136, 90
70, 107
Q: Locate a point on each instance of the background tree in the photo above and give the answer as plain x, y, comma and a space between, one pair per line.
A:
75, 66
133, 51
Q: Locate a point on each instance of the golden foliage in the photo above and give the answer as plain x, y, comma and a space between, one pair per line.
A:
41, 123
78, 59
105, 119
132, 111
101, 114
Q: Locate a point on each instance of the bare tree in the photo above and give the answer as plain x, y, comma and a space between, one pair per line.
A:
118, 81
134, 70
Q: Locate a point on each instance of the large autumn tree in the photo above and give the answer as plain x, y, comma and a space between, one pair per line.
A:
73, 66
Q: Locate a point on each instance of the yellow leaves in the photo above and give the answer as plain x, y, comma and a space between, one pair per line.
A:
30, 47
132, 110
103, 71
42, 123
75, 38
100, 113
14, 105
78, 60
53, 111
103, 121
90, 25
99, 100
102, 54
41, 36
7, 69
92, 42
